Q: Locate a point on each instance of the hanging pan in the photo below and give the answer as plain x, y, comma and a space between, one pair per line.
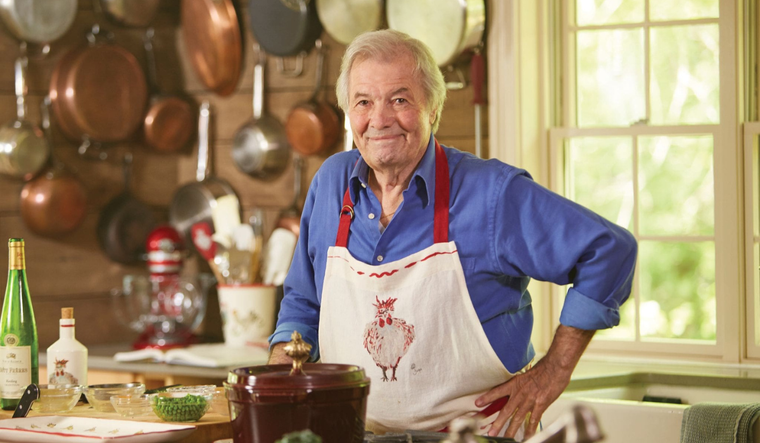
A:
213, 41
98, 92
313, 126
38, 21
169, 123
55, 202
285, 28
450, 28
124, 223
346, 19
24, 150
193, 202
260, 148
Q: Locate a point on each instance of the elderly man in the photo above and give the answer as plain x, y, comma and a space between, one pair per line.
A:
414, 259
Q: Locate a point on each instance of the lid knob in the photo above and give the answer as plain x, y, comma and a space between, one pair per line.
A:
299, 351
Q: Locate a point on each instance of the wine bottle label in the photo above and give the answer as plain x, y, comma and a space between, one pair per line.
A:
15, 370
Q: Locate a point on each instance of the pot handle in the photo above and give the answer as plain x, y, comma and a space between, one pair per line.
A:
21, 65
258, 81
150, 58
320, 68
204, 166
298, 350
295, 72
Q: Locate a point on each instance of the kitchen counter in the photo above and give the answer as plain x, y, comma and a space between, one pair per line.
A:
211, 427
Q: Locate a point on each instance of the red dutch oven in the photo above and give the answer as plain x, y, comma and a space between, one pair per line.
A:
267, 402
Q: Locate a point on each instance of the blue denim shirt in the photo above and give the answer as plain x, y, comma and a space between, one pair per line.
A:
507, 228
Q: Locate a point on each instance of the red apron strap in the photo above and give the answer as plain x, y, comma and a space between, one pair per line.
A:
441, 205
346, 215
441, 223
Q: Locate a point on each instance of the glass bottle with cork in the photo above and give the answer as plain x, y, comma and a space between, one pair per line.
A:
67, 357
19, 359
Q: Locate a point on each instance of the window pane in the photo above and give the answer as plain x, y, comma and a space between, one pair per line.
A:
603, 12
610, 77
683, 9
677, 282
676, 193
600, 176
685, 75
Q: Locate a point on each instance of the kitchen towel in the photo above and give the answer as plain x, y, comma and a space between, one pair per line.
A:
719, 422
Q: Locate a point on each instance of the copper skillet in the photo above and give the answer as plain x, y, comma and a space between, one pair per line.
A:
211, 33
313, 126
169, 123
98, 92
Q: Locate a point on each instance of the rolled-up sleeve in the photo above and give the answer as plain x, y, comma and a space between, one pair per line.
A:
550, 238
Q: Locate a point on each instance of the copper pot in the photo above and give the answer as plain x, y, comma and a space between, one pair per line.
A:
169, 124
314, 126
55, 202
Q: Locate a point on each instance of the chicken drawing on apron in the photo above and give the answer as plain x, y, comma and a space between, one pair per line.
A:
412, 326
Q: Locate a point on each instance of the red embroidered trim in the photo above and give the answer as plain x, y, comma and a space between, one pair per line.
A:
389, 273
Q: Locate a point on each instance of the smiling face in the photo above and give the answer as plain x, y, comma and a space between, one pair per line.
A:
390, 119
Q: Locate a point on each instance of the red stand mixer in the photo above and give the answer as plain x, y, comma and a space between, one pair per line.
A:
165, 307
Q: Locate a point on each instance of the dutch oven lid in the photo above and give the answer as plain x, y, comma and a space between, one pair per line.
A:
299, 375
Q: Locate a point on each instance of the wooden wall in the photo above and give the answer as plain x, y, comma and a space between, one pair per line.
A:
73, 271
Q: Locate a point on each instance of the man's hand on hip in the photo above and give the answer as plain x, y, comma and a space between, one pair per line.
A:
532, 392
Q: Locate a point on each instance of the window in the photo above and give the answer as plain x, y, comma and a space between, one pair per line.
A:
646, 137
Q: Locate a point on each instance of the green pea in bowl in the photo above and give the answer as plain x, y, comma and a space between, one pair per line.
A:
181, 406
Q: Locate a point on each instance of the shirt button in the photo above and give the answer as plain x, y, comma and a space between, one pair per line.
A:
371, 216
379, 258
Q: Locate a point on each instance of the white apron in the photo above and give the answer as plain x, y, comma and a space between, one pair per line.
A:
412, 326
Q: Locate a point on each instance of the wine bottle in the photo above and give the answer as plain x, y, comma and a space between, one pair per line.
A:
18, 331
67, 357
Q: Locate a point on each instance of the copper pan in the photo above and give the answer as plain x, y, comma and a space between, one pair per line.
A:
211, 33
313, 127
55, 202
98, 92
169, 123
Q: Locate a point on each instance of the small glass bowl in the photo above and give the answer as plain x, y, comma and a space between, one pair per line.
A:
57, 398
182, 405
132, 405
219, 402
99, 396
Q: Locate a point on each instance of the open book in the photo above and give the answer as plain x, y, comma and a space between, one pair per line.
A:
214, 355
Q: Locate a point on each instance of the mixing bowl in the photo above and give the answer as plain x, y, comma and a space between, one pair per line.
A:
99, 396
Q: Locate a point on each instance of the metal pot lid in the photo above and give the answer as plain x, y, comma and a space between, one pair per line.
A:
135, 13
445, 28
38, 21
346, 19
284, 28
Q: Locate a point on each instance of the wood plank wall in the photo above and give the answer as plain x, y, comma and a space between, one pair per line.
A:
72, 270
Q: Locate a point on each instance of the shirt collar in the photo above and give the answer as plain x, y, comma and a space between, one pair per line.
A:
424, 175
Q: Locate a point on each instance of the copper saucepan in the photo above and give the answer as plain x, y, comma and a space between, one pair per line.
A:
24, 150
88, 108
169, 123
55, 202
313, 126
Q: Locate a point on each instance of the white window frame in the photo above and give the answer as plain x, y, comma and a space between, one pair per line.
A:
520, 132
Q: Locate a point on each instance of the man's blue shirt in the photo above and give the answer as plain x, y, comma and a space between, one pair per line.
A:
506, 227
